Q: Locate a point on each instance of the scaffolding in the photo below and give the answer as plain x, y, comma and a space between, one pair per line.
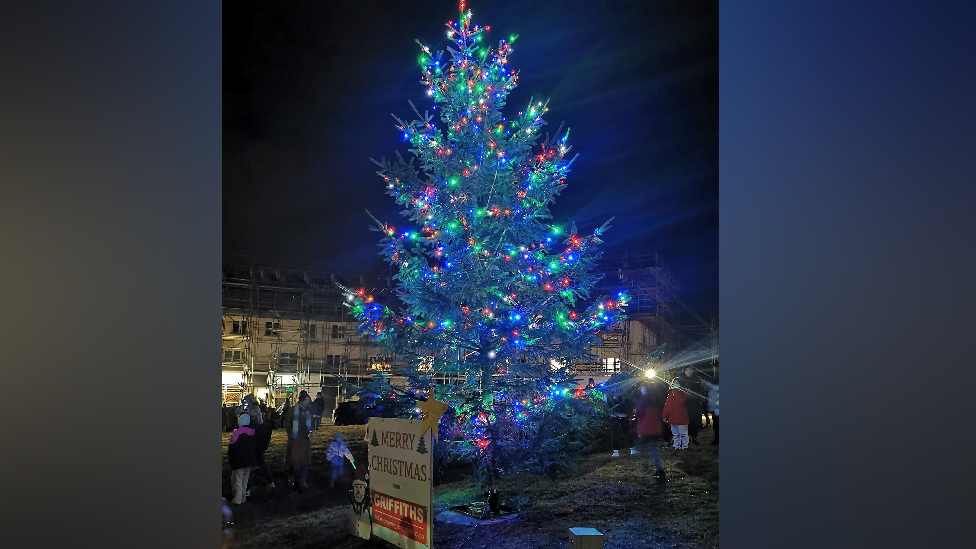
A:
286, 328
649, 332
293, 330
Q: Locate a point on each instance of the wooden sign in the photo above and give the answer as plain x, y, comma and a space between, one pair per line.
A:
400, 481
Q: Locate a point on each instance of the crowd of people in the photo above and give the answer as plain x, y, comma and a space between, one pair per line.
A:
254, 422
672, 413
668, 412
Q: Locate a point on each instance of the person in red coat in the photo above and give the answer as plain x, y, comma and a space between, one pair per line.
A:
676, 414
649, 426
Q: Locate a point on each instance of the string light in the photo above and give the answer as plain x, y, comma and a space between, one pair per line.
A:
477, 270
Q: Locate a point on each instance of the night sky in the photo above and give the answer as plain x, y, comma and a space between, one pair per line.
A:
309, 88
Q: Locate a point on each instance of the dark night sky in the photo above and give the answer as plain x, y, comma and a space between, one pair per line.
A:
309, 88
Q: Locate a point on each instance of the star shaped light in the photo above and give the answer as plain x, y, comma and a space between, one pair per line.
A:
433, 410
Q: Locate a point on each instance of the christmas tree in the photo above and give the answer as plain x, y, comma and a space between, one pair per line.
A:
421, 446
374, 441
492, 290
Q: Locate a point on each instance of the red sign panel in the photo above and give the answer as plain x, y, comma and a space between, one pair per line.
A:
403, 517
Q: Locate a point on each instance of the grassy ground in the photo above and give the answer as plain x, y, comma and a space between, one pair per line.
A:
617, 496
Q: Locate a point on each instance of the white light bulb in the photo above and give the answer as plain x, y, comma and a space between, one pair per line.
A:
491, 355
650, 373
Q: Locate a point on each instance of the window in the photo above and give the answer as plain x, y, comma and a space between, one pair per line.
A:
271, 328
311, 331
333, 360
287, 359
383, 363
239, 327
611, 365
235, 355
335, 331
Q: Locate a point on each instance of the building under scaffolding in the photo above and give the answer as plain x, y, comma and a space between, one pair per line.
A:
648, 335
285, 328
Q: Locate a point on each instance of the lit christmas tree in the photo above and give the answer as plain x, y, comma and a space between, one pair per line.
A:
492, 290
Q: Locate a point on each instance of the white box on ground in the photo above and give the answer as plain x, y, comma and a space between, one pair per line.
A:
585, 538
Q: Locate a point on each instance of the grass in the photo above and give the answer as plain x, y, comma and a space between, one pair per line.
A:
617, 496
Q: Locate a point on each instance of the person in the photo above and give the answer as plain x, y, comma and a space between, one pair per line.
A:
230, 422
649, 426
713, 406
337, 453
285, 408
241, 452
318, 405
271, 416
676, 414
262, 435
691, 382
298, 452
621, 407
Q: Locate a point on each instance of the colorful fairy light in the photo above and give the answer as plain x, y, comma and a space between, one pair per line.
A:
484, 282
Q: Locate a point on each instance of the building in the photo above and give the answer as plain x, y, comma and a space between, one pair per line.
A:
285, 329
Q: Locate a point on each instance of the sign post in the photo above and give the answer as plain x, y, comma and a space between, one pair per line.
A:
400, 481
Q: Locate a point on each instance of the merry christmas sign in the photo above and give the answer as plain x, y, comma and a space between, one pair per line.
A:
400, 473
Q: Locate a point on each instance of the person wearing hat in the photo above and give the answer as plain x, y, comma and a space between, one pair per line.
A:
298, 452
241, 453
262, 434
676, 414
337, 453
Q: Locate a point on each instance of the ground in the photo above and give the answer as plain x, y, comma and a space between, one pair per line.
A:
617, 496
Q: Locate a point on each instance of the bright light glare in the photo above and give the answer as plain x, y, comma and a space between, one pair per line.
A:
649, 373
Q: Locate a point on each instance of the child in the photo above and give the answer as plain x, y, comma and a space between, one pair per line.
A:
335, 454
676, 414
242, 454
